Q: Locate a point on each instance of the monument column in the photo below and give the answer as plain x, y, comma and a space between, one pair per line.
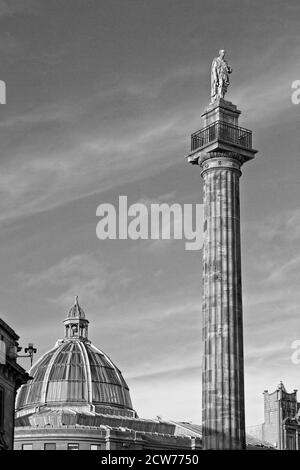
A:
220, 149
223, 374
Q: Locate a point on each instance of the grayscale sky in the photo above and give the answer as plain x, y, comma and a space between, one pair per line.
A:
102, 96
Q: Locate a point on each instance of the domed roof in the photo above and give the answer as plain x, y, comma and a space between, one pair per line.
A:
75, 373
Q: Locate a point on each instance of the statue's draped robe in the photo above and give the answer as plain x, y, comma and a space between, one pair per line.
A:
219, 78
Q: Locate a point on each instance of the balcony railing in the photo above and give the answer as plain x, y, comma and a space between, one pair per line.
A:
221, 130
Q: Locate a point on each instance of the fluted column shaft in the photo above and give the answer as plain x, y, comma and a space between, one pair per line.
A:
223, 363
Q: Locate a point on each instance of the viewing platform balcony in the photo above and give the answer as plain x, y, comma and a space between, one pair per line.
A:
221, 136
221, 131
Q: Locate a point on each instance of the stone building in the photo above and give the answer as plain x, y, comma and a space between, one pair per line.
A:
78, 399
12, 375
281, 427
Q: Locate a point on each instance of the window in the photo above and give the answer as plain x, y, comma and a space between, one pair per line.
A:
1, 407
2, 351
26, 446
50, 446
73, 446
97, 446
291, 443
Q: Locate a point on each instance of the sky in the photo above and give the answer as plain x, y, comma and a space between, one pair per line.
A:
102, 97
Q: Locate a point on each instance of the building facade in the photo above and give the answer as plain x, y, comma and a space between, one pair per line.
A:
12, 376
78, 399
281, 427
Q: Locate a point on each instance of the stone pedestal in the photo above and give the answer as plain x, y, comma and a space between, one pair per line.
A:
221, 110
223, 148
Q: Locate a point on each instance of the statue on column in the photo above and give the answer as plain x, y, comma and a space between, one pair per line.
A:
220, 71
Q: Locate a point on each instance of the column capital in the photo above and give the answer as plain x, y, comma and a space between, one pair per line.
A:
221, 161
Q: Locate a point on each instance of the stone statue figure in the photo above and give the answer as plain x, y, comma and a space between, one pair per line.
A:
220, 71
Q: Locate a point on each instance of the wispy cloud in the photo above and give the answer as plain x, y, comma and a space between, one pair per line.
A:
35, 181
9, 8
82, 160
266, 91
80, 275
